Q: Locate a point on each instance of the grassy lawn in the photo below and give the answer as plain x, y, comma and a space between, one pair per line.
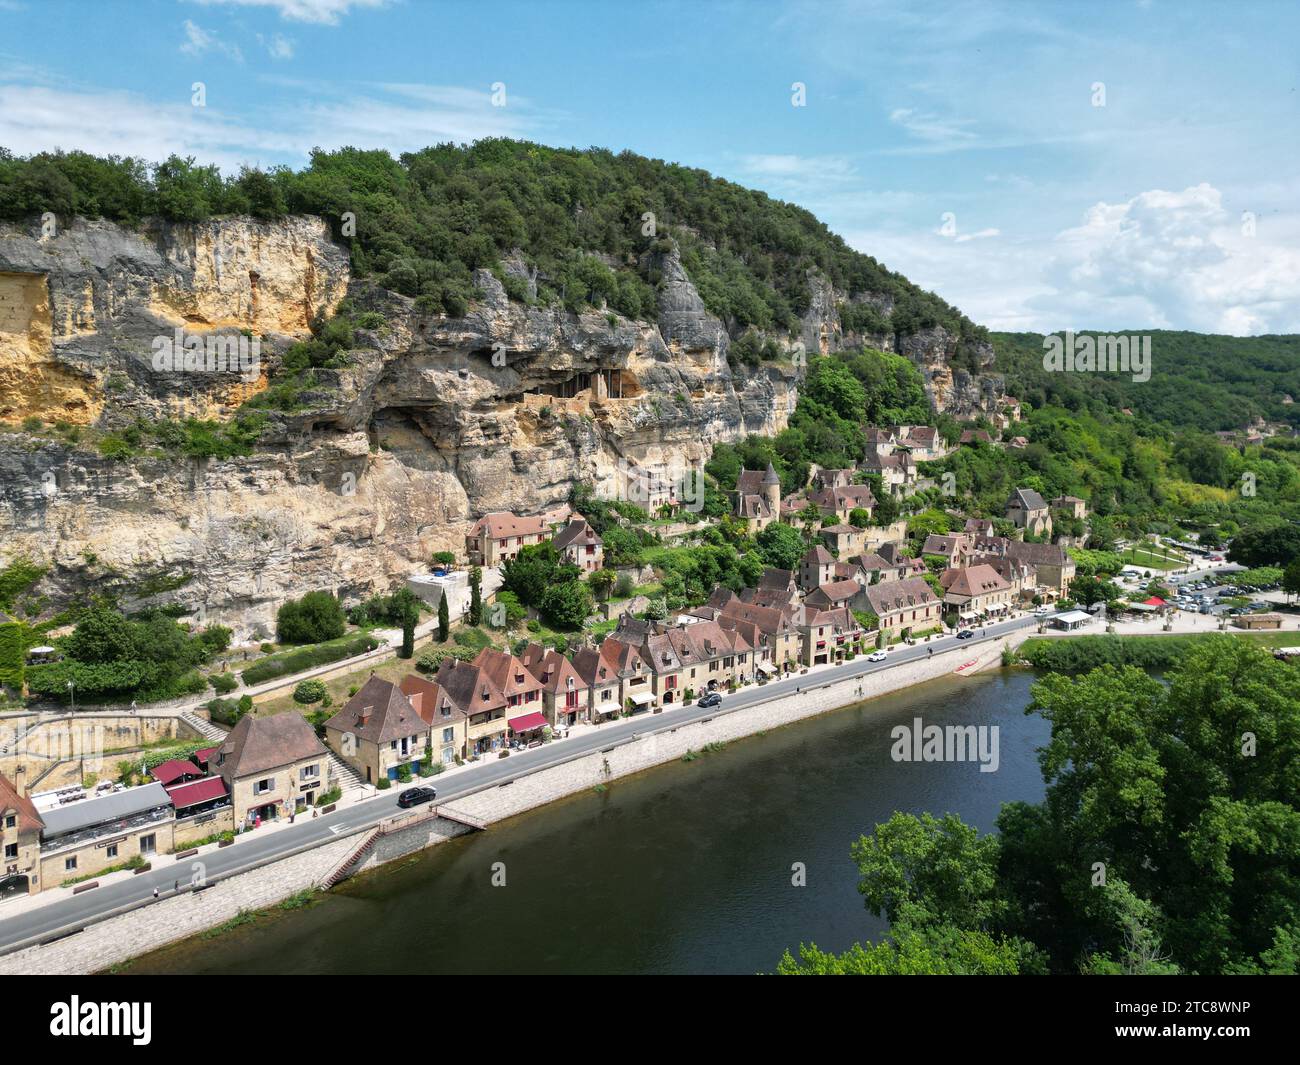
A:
1143, 557
394, 669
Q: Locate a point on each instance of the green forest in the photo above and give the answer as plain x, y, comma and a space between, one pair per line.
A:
580, 218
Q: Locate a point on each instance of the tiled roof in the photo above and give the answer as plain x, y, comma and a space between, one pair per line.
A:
257, 744
503, 523
28, 819
379, 712
578, 534
889, 596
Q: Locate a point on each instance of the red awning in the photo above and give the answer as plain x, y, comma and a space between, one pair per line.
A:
196, 791
527, 723
204, 756
171, 771
1155, 600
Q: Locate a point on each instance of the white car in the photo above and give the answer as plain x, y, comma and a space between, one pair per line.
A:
876, 656
1042, 611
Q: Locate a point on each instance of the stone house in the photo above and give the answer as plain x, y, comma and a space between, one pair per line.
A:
378, 731
500, 536
448, 723
85, 837
273, 767
758, 498
976, 591
471, 690
905, 604
1028, 510
20, 840
565, 697
579, 545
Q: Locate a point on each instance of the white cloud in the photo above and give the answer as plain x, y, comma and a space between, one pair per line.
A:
1160, 260
198, 42
321, 12
36, 118
983, 234
277, 46
933, 129
1178, 260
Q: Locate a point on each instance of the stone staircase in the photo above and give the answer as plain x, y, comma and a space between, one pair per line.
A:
346, 868
203, 727
347, 778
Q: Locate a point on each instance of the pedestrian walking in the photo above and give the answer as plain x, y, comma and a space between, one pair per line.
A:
176, 886
155, 892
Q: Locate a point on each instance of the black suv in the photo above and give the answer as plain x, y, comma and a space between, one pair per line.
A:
414, 796
709, 699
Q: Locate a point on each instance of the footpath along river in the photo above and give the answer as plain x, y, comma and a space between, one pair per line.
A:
682, 869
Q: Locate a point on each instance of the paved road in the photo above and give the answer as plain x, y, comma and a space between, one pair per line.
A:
69, 914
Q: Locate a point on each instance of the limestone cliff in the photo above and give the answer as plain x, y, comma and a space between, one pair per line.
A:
432, 422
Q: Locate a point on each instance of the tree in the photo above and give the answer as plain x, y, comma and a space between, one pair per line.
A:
444, 621
475, 615
1291, 578
1274, 544
566, 605
780, 545
602, 581
938, 950
314, 618
859, 517
531, 572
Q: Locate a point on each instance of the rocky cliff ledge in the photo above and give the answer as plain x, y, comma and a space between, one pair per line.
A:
432, 422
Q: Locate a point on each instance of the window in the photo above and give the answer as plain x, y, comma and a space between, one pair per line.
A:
111, 850
70, 864
448, 735
148, 844
263, 786
309, 772
11, 851
10, 820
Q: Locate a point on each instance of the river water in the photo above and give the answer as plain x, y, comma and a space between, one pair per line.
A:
683, 869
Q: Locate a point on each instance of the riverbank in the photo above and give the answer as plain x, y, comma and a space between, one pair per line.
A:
104, 944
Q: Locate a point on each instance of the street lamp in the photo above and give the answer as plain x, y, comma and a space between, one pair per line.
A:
72, 692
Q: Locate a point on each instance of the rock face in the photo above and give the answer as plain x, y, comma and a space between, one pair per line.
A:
433, 422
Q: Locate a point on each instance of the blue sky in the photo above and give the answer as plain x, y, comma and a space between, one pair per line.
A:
959, 143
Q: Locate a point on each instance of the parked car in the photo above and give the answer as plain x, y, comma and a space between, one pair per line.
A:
876, 656
709, 699
415, 796
966, 634
1042, 611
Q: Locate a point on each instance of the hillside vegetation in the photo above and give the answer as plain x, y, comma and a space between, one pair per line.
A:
578, 218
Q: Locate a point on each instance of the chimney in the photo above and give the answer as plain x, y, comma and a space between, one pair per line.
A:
20, 781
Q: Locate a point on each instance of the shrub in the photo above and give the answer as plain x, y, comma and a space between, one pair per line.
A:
314, 618
223, 683
383, 783
309, 691
306, 657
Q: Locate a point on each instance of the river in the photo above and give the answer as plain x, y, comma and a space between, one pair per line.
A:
683, 869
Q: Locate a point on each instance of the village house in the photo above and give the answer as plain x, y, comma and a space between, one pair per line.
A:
954, 548
1017, 573
579, 545
776, 588
975, 592
522, 690
20, 840
273, 767
564, 693
824, 477
907, 604
841, 502
83, 837
758, 498
469, 688
816, 567
827, 633
448, 723
498, 537
1028, 510
897, 470
842, 539
781, 645
834, 594
378, 732
977, 527
598, 669
922, 441
974, 436
1071, 505
1053, 567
